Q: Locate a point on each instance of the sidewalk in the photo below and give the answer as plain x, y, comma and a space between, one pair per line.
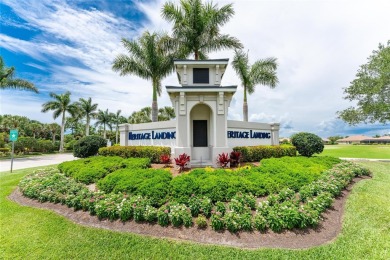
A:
35, 161
365, 159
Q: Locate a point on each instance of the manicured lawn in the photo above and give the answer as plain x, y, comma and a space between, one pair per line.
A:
358, 151
35, 234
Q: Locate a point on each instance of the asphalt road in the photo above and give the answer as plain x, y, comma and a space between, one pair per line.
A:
35, 161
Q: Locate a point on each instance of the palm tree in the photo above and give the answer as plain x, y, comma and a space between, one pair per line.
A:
166, 114
142, 116
61, 105
35, 128
88, 110
7, 79
16, 122
146, 60
53, 129
104, 118
117, 119
196, 28
262, 72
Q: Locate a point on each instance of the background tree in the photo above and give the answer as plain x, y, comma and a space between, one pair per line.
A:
16, 122
196, 28
60, 105
88, 110
142, 116
333, 139
35, 128
54, 128
104, 118
371, 90
146, 60
117, 119
262, 72
7, 79
166, 114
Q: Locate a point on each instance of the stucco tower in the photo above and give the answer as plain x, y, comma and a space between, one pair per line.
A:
201, 104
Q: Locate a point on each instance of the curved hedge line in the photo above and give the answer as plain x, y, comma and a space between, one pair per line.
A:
92, 169
152, 152
273, 175
257, 153
284, 210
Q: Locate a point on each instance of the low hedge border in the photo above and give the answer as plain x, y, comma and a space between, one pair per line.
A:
285, 210
152, 152
92, 169
257, 153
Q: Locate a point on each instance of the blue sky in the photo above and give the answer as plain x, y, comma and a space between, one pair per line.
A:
70, 45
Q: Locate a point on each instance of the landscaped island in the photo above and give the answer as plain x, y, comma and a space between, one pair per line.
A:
281, 193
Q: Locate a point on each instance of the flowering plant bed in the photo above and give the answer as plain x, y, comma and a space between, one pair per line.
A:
286, 209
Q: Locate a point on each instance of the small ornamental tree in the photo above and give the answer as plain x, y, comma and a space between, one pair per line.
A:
307, 144
182, 161
165, 159
235, 158
223, 160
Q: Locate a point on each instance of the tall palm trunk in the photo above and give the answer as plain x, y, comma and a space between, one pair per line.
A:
104, 131
53, 137
196, 55
87, 127
245, 107
116, 134
154, 103
62, 132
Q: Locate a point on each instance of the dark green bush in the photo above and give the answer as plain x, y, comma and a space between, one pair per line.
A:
45, 146
25, 144
4, 150
90, 170
272, 176
257, 153
152, 152
69, 145
88, 146
307, 144
150, 183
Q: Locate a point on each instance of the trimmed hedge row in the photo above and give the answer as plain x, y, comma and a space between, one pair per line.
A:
90, 170
273, 175
150, 183
285, 210
257, 153
30, 144
152, 152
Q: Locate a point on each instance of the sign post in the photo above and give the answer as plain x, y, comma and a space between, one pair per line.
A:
13, 136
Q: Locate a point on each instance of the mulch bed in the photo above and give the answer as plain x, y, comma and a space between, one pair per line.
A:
327, 231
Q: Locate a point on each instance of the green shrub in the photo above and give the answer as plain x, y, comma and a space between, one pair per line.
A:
90, 170
45, 146
69, 145
163, 216
179, 214
25, 144
307, 144
150, 183
201, 221
280, 211
152, 152
272, 176
4, 150
257, 153
217, 221
88, 146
